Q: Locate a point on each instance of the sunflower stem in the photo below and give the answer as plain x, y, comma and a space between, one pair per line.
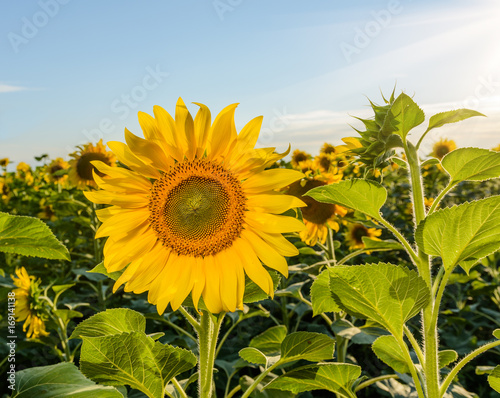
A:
207, 340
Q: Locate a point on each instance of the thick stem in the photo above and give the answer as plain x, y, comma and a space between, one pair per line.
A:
207, 340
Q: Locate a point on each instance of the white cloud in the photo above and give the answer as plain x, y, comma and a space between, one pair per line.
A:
7, 88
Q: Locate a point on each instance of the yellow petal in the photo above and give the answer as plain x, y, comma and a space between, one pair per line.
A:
162, 133
120, 173
185, 128
274, 203
148, 151
121, 185
202, 122
198, 280
223, 132
125, 220
125, 155
211, 292
229, 281
154, 263
249, 134
104, 197
169, 272
266, 253
271, 179
273, 223
282, 246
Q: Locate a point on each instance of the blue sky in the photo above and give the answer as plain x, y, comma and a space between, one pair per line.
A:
75, 71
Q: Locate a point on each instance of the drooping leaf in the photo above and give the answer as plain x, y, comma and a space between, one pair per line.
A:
462, 234
29, 236
269, 342
472, 164
365, 196
457, 115
253, 355
110, 322
385, 293
381, 245
254, 293
388, 351
403, 116
307, 345
334, 377
321, 295
133, 359
494, 379
62, 380
446, 357
100, 269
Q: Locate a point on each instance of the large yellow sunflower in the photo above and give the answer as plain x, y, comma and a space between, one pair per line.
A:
81, 169
196, 211
27, 309
317, 216
356, 232
442, 147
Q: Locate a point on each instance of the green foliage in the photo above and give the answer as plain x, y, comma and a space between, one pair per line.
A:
29, 236
494, 379
321, 295
403, 115
471, 164
61, 380
442, 118
388, 351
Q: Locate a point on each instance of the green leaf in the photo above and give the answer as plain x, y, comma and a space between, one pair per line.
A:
442, 118
446, 357
472, 164
100, 269
429, 162
365, 196
269, 342
307, 345
63, 380
67, 315
133, 359
246, 381
496, 333
254, 293
387, 349
462, 234
494, 379
110, 322
334, 377
387, 294
253, 355
29, 236
404, 115
381, 245
363, 335
309, 250
321, 295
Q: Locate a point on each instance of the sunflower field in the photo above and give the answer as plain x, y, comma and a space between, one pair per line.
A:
186, 262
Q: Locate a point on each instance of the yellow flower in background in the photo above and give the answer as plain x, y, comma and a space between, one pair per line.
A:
27, 309
81, 168
47, 212
23, 168
299, 156
497, 148
356, 232
317, 216
54, 167
442, 147
4, 162
197, 211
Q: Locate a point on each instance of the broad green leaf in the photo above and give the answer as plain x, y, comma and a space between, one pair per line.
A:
362, 335
254, 293
63, 380
321, 295
133, 359
429, 162
442, 118
307, 345
404, 115
496, 333
100, 269
294, 290
494, 379
110, 322
388, 351
253, 355
29, 236
385, 293
472, 164
269, 342
462, 234
446, 357
380, 245
365, 196
334, 377
67, 315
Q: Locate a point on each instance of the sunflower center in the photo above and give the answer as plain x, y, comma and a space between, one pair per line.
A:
315, 212
84, 167
358, 232
197, 208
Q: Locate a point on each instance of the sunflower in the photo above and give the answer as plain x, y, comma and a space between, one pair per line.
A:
4, 162
442, 147
497, 148
196, 211
28, 308
317, 216
81, 169
299, 156
23, 168
53, 171
356, 232
47, 212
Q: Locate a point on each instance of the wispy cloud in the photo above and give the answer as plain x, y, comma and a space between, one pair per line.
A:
7, 88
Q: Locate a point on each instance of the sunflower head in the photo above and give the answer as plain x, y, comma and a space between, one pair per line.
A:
4, 162
80, 166
47, 212
196, 210
299, 156
54, 171
29, 306
317, 216
497, 148
356, 232
23, 168
442, 147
